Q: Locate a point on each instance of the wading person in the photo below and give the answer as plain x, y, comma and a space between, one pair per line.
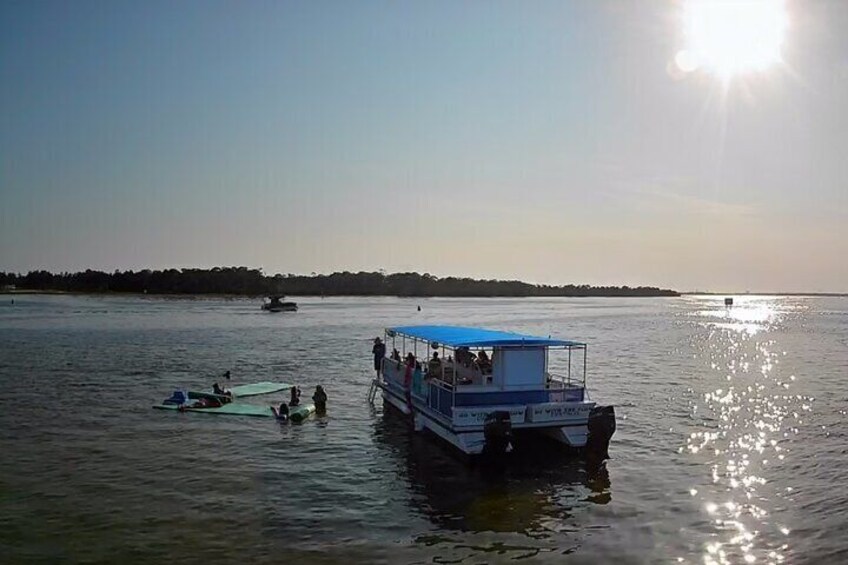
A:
320, 399
295, 396
281, 413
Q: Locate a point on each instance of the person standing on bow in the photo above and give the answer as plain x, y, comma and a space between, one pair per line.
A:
407, 378
379, 351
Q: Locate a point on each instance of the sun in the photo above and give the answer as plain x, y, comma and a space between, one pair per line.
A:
732, 37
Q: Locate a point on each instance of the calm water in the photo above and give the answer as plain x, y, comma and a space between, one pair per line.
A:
731, 446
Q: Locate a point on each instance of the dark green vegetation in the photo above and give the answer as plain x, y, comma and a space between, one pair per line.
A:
252, 282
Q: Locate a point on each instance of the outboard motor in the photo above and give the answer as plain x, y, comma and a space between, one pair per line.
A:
497, 429
601, 429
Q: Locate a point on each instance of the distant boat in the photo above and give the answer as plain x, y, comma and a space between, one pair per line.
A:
276, 304
728, 301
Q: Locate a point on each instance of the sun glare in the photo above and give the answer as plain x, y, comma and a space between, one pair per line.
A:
731, 37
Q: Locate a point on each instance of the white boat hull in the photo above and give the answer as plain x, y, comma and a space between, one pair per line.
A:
471, 443
570, 430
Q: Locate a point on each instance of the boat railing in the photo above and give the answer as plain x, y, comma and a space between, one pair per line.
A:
563, 389
440, 396
556, 381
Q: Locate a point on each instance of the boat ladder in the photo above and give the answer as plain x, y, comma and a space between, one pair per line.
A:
372, 392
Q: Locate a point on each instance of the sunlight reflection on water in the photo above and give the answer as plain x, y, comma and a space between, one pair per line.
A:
744, 420
749, 315
759, 474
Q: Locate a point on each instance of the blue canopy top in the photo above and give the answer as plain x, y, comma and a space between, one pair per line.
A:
458, 336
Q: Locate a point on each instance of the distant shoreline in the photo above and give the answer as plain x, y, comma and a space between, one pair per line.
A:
120, 293
307, 295
194, 296
244, 281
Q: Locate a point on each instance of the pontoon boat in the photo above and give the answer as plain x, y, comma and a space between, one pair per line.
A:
485, 391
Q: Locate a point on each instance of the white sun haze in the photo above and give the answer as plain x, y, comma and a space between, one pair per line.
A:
730, 37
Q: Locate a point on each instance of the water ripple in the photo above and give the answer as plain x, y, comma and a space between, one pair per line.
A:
732, 434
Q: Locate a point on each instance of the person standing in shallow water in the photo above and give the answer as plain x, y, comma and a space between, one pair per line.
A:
379, 351
281, 413
320, 399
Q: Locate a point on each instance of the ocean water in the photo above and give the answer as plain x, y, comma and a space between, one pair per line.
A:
731, 447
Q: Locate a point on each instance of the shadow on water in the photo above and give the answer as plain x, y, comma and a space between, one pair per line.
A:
533, 492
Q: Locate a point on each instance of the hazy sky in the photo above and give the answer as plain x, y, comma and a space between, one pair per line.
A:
546, 141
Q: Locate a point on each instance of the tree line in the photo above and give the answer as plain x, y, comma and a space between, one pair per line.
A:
252, 282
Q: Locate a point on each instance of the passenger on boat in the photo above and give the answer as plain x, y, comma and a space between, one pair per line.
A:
407, 376
320, 399
464, 356
295, 396
417, 379
447, 372
483, 362
434, 367
410, 360
460, 355
281, 413
379, 351
396, 355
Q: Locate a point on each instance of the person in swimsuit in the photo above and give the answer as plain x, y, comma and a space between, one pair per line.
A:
204, 403
216, 389
320, 399
281, 413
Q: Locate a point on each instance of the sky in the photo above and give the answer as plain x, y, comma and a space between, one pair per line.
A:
552, 142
